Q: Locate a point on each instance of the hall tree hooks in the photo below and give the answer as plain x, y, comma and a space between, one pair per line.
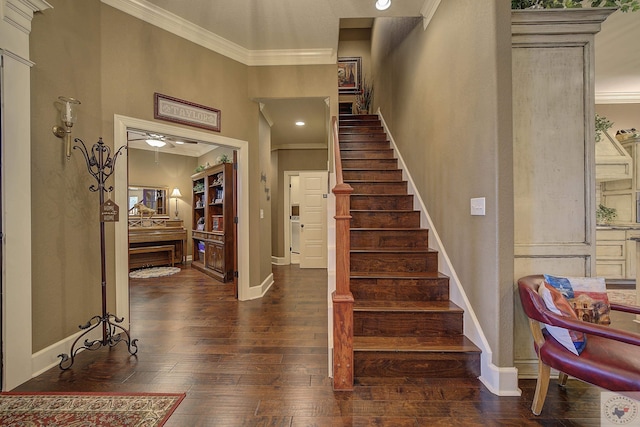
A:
101, 164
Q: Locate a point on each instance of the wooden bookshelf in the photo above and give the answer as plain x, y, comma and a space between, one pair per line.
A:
212, 207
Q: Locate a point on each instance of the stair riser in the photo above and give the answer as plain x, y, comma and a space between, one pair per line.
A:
383, 219
348, 117
345, 124
354, 137
436, 289
383, 202
360, 130
372, 175
407, 324
378, 188
416, 365
365, 145
379, 164
403, 262
370, 154
390, 239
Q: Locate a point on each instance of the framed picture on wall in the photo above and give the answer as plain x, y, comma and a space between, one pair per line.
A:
349, 74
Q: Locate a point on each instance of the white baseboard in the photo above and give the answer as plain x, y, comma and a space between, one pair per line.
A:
47, 358
279, 260
256, 292
499, 381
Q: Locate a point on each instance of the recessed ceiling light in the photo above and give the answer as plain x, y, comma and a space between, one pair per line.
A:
383, 4
155, 143
179, 142
299, 123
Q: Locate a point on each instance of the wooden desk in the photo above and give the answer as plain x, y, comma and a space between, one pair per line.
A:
156, 236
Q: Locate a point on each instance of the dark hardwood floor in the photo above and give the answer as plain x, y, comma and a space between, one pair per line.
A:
264, 363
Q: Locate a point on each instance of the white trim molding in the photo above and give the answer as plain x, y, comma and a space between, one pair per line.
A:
500, 381
617, 97
19, 13
256, 292
150, 13
428, 10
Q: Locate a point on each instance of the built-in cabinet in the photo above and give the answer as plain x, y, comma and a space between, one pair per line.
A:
621, 194
615, 252
212, 208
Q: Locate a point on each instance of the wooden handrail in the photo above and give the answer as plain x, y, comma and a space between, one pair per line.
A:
342, 297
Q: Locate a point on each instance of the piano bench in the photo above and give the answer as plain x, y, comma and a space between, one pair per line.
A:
169, 249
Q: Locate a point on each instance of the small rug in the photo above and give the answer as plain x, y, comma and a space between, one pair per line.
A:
57, 409
622, 296
146, 273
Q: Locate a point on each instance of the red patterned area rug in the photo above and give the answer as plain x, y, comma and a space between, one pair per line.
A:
57, 409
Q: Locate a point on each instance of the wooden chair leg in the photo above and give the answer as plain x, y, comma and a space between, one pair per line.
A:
562, 379
542, 386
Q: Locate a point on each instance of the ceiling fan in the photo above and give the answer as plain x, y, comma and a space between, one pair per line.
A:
156, 140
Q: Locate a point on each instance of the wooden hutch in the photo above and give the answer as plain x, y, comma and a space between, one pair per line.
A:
212, 206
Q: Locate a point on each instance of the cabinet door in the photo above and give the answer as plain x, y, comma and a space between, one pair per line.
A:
215, 257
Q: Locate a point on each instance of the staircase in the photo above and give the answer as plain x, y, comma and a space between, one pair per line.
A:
404, 325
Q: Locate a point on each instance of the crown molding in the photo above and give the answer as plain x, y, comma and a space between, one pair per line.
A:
19, 13
617, 97
174, 24
427, 11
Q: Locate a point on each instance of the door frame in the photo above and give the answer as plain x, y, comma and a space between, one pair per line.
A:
286, 217
121, 124
286, 220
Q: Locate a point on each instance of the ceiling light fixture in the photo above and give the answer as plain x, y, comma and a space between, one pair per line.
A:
179, 142
155, 143
383, 4
300, 123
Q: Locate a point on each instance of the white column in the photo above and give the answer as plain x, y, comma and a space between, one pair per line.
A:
15, 26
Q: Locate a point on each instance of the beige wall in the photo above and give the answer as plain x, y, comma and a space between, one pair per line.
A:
449, 110
356, 43
291, 160
114, 63
309, 81
170, 171
623, 116
65, 222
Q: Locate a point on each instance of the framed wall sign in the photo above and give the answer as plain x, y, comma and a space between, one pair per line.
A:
349, 74
185, 112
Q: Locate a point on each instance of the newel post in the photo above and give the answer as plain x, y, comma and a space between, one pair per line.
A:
342, 297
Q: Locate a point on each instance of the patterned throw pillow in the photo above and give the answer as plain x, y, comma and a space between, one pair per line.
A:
587, 296
572, 340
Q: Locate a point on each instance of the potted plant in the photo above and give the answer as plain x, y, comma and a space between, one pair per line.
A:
364, 98
605, 215
623, 5
602, 125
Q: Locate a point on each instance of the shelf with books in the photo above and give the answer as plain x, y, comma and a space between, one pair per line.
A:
213, 237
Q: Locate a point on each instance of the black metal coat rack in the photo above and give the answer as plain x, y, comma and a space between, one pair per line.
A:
100, 165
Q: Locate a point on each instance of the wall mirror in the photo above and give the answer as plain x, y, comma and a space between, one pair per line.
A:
152, 197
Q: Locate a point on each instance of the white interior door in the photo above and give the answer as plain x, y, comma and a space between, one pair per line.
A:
313, 219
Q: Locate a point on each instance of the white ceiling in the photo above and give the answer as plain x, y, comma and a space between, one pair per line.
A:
618, 59
281, 32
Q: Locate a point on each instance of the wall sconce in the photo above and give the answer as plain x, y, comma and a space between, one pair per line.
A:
175, 194
68, 114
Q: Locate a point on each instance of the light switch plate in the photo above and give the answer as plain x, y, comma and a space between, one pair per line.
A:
477, 206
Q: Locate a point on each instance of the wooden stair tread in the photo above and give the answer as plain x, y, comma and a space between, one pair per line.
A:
404, 306
369, 181
449, 344
396, 275
416, 229
383, 210
380, 195
393, 251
